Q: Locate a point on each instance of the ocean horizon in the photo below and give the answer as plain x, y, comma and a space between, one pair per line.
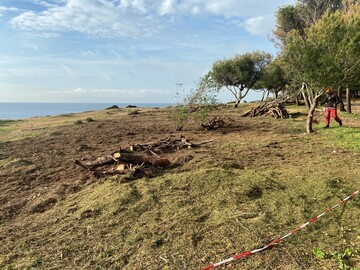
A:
21, 110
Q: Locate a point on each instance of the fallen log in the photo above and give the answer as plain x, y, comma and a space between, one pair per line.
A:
131, 158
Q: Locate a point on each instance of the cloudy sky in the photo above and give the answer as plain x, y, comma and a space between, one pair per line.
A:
123, 50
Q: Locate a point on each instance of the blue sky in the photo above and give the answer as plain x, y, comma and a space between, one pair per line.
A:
123, 50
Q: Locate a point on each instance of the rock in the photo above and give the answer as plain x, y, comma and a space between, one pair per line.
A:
113, 107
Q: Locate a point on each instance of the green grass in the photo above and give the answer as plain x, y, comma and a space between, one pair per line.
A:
6, 126
345, 136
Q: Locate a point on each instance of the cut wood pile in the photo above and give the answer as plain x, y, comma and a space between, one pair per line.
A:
167, 145
274, 108
214, 123
138, 160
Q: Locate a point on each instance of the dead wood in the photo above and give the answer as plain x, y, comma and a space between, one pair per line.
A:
139, 160
274, 108
214, 123
101, 173
165, 146
132, 158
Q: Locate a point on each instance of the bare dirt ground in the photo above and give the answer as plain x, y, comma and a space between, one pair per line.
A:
46, 200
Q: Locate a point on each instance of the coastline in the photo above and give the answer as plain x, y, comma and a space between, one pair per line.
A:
22, 110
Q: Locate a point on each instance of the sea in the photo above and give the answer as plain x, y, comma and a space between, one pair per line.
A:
13, 111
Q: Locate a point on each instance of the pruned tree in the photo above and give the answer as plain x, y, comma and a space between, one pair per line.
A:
240, 73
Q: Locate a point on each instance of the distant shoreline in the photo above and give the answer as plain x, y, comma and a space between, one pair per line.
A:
22, 110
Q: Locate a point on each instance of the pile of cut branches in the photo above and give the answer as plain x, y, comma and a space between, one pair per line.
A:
165, 146
274, 108
138, 160
215, 123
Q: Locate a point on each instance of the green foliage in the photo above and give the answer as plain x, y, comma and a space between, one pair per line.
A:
273, 79
287, 19
302, 15
180, 116
36, 263
197, 105
329, 52
318, 254
240, 73
342, 258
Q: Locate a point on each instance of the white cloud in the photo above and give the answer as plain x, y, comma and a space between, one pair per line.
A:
167, 7
3, 10
226, 8
136, 18
138, 5
48, 4
101, 18
261, 25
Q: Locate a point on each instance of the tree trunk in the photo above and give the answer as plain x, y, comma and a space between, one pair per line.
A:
263, 95
297, 102
309, 121
342, 106
306, 100
348, 100
237, 103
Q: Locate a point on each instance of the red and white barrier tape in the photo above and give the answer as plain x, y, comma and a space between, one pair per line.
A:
277, 240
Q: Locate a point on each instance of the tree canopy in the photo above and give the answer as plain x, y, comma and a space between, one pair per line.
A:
330, 54
240, 73
302, 15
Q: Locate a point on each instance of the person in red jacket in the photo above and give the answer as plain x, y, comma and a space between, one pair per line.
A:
331, 100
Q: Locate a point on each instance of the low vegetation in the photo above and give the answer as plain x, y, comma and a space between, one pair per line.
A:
259, 179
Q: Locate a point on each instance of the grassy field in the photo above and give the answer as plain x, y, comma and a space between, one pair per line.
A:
261, 178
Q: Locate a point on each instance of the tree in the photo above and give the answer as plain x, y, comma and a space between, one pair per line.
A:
287, 19
330, 54
302, 15
273, 79
240, 73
